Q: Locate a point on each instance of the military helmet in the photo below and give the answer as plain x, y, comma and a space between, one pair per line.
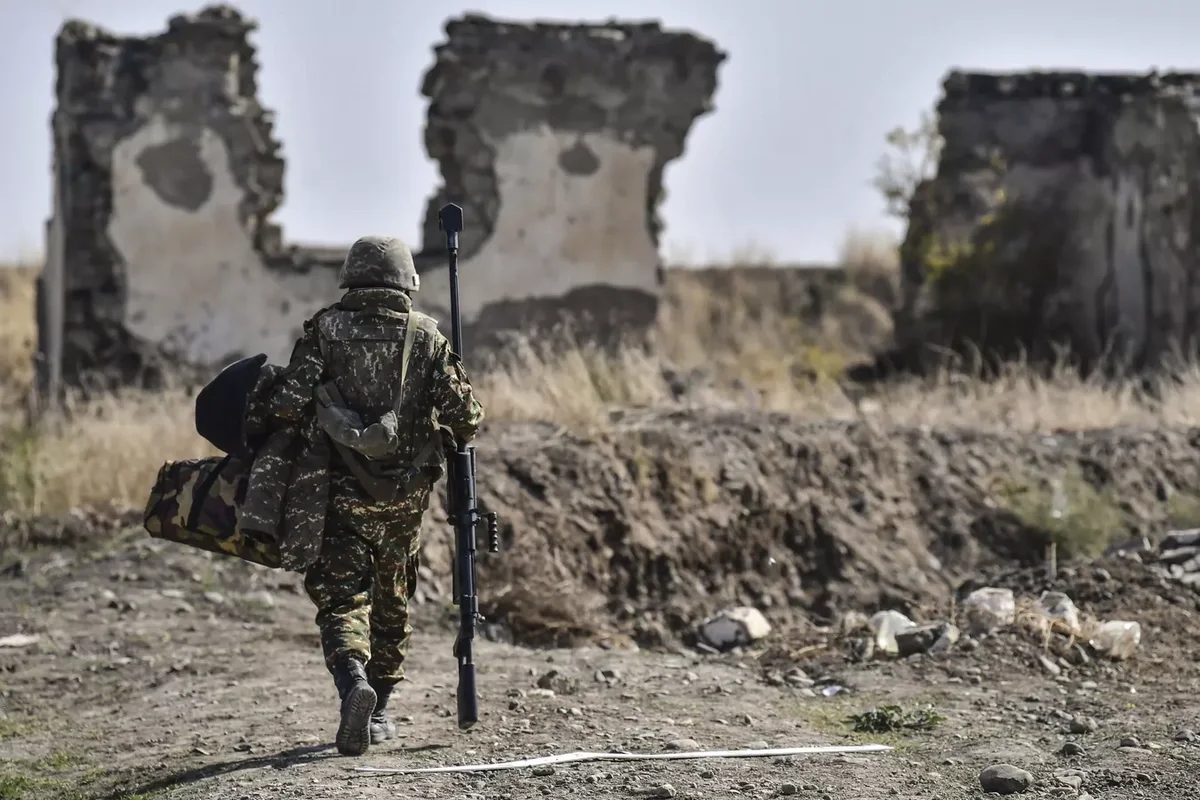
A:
379, 261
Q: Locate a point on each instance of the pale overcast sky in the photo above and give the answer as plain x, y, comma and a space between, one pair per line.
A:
784, 164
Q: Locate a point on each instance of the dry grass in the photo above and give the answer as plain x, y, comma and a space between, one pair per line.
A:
755, 347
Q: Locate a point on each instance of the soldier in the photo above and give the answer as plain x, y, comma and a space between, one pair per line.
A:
381, 381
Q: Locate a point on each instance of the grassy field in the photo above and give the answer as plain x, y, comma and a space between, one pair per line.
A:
753, 353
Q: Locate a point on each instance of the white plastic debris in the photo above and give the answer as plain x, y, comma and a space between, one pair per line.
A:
735, 627
988, 610
1116, 639
885, 625
1060, 610
569, 758
19, 640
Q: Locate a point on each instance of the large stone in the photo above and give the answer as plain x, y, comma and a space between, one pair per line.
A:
161, 253
1063, 212
1005, 779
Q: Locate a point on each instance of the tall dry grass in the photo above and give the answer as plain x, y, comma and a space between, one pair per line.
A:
739, 339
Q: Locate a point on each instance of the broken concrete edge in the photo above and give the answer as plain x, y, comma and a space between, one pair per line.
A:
964, 88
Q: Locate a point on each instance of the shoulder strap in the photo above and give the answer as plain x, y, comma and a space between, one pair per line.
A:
410, 333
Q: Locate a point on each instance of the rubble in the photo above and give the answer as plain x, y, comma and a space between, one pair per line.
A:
988, 609
735, 627
1176, 555
887, 625
932, 637
1116, 639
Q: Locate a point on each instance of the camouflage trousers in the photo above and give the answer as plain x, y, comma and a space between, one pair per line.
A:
365, 577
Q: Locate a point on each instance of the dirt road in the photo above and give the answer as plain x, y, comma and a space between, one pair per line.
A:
160, 672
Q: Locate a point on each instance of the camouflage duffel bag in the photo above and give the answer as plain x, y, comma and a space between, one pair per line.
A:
195, 502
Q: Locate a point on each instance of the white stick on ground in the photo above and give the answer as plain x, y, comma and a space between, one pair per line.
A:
575, 757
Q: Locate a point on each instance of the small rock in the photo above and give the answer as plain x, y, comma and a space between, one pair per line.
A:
746, 719
788, 789
1130, 741
1005, 779
216, 598
735, 627
173, 594
759, 745
683, 744
1050, 666
609, 676
1073, 781
1081, 725
558, 682
1071, 749
543, 772
707, 774
662, 790
1185, 735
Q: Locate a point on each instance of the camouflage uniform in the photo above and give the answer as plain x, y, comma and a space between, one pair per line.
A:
352, 362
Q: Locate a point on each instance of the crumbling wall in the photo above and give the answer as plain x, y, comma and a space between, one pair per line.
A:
161, 250
1064, 214
553, 138
167, 171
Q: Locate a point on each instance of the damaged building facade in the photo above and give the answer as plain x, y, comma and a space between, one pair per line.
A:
1064, 217
162, 253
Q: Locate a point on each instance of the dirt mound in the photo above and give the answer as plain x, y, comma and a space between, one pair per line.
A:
643, 529
639, 531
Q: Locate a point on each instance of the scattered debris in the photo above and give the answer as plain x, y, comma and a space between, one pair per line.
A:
932, 637
1060, 613
734, 627
1116, 639
989, 609
885, 625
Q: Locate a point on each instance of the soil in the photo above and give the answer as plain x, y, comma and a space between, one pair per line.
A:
161, 671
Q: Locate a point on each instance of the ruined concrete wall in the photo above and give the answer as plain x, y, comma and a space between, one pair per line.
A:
553, 139
1065, 212
168, 172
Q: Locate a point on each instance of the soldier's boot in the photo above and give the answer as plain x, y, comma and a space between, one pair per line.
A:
358, 704
382, 727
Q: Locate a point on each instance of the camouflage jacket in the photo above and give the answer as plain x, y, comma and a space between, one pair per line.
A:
378, 384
